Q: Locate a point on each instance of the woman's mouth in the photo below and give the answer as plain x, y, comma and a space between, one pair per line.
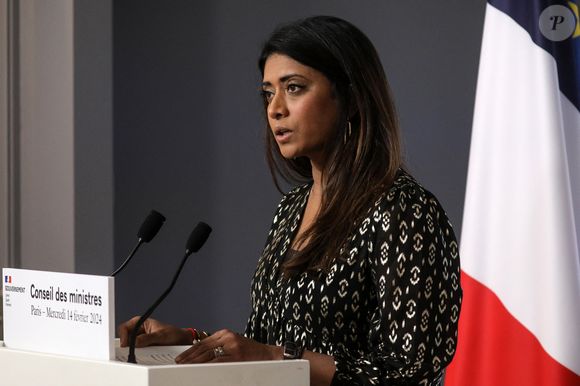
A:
282, 134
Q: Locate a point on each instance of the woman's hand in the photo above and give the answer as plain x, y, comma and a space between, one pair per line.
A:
227, 346
153, 333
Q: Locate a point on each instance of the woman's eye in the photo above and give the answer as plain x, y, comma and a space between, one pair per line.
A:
267, 95
294, 88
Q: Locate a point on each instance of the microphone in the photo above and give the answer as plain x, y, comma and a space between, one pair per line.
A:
146, 232
195, 241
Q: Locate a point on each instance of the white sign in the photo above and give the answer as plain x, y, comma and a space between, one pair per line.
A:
59, 313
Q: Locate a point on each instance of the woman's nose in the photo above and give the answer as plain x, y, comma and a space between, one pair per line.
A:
277, 107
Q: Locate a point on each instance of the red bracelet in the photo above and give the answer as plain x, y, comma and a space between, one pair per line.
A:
194, 333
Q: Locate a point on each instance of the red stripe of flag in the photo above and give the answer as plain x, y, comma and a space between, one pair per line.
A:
495, 349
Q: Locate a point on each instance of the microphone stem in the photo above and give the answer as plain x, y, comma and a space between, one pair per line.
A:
147, 314
139, 242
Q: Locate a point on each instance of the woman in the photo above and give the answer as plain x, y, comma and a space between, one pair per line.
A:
360, 272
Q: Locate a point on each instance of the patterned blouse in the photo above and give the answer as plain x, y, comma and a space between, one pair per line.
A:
387, 310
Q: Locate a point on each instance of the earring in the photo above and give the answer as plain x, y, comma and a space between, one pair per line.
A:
347, 131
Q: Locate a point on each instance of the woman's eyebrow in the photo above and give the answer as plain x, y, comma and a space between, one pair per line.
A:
284, 79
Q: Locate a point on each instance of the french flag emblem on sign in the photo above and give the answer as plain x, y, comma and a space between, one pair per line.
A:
8, 279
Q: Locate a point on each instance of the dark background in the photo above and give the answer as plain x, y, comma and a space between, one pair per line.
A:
188, 129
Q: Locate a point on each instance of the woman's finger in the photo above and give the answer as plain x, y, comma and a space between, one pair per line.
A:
151, 339
203, 351
195, 355
186, 353
126, 328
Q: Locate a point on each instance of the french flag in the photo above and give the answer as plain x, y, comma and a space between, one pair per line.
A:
520, 250
7, 279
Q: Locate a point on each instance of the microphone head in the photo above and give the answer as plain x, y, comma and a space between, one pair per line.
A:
197, 238
150, 226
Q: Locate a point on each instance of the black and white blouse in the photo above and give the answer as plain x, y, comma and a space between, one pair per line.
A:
388, 308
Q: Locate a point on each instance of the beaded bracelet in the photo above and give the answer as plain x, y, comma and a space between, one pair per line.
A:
194, 334
197, 335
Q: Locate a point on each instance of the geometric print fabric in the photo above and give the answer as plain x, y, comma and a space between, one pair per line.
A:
387, 309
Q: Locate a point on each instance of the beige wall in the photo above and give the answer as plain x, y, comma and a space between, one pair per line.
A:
47, 135
63, 106
4, 137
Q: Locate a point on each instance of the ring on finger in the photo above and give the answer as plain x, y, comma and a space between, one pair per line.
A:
218, 351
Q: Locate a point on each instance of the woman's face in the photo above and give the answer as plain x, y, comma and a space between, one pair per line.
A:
303, 112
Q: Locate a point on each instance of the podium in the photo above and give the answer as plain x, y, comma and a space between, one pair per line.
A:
25, 368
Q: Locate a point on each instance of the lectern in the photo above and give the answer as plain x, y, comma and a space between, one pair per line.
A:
25, 368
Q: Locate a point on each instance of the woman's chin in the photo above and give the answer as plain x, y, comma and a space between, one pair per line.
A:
289, 153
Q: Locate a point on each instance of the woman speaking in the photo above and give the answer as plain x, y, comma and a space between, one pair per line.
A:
360, 272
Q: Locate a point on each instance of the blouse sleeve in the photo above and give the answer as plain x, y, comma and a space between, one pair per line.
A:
414, 264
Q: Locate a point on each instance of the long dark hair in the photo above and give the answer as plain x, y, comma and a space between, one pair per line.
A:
363, 159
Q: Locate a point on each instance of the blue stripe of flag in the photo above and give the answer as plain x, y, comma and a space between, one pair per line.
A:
566, 52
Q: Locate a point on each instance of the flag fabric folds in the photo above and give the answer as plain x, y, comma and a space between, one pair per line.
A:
520, 249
